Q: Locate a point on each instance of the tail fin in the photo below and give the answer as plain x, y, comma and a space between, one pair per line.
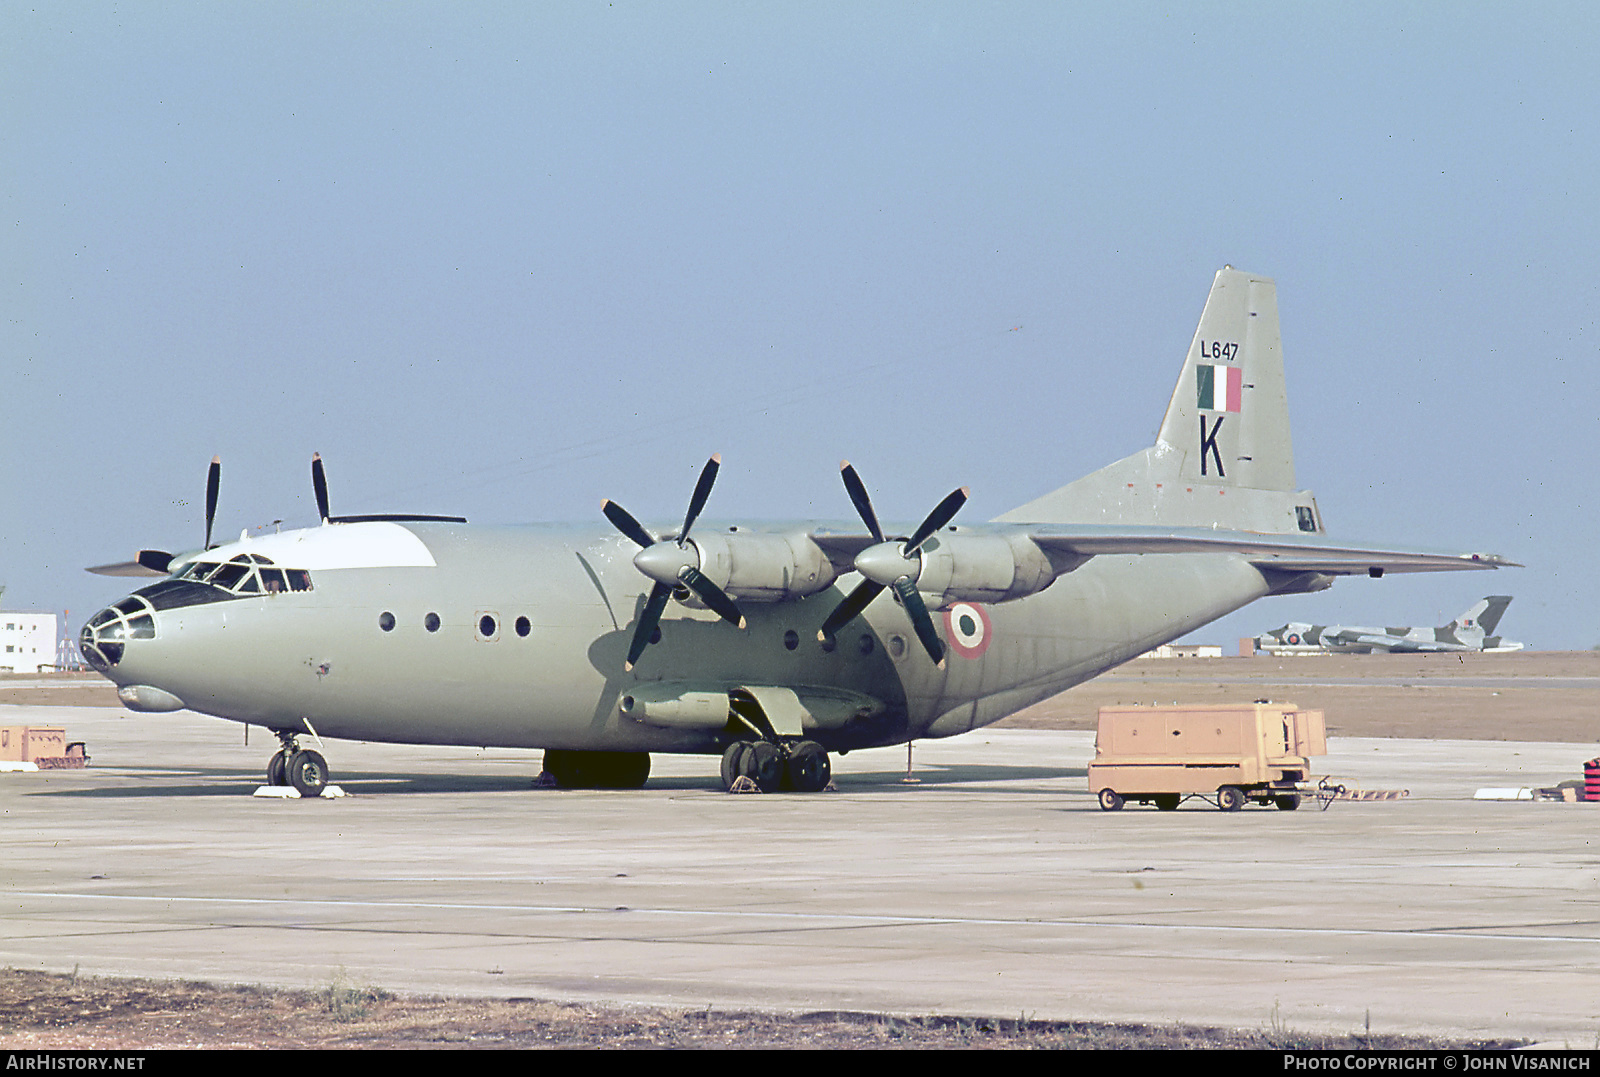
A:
1484, 615
1223, 456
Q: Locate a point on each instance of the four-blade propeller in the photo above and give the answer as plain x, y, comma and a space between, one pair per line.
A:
891, 563
159, 562
671, 562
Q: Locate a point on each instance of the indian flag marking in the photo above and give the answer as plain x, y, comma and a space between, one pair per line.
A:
1221, 387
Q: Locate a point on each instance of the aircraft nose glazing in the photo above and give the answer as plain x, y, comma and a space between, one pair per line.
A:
105, 637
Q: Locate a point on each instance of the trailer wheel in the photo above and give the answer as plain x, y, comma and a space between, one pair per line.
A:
1166, 801
1287, 802
1230, 798
1110, 800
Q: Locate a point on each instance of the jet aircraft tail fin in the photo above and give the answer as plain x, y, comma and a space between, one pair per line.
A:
1223, 457
1484, 615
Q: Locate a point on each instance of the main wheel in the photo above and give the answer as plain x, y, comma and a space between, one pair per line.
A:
623, 770
308, 772
763, 764
1110, 801
1166, 801
732, 759
278, 768
1287, 802
597, 770
561, 766
1230, 798
807, 769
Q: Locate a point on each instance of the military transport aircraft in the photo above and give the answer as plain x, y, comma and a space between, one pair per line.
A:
772, 647
1469, 632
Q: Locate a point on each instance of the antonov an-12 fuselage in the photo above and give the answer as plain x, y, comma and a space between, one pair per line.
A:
772, 647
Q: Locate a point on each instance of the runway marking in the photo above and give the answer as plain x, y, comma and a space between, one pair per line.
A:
842, 917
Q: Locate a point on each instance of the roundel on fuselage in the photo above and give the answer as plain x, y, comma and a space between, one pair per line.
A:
968, 629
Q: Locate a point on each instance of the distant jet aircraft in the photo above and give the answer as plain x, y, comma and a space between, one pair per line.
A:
1469, 632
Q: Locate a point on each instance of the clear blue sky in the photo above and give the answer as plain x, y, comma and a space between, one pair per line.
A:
504, 260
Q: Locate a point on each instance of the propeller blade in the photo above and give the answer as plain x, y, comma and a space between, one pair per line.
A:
713, 596
649, 618
125, 568
319, 483
155, 560
213, 485
942, 514
848, 610
623, 520
858, 496
702, 490
920, 620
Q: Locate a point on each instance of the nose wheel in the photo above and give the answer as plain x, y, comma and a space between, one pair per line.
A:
302, 768
800, 767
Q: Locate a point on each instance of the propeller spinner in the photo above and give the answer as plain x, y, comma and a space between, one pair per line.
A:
890, 563
671, 562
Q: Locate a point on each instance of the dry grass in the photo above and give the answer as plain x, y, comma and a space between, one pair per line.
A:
45, 1011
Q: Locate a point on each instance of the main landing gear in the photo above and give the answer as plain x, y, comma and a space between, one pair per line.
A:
800, 766
303, 768
597, 770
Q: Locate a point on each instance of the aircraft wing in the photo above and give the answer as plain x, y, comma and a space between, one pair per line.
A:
1284, 553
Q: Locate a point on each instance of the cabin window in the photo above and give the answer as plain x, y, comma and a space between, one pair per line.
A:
386, 621
791, 639
524, 626
431, 622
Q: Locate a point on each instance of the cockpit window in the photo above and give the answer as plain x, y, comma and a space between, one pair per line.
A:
229, 576
244, 574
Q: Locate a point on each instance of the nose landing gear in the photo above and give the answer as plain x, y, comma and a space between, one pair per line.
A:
800, 767
302, 768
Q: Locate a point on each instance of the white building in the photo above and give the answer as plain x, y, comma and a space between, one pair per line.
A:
27, 642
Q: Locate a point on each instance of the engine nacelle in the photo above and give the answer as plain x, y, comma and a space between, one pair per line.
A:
985, 568
762, 567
